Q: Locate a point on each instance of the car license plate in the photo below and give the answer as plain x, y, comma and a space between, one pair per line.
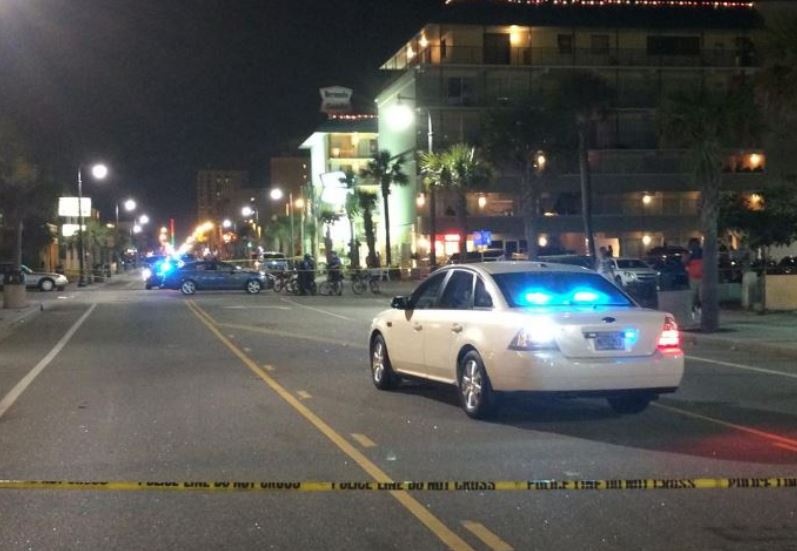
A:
609, 341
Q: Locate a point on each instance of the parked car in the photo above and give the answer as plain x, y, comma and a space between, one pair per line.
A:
208, 275
668, 251
44, 281
504, 327
788, 265
671, 271
632, 271
274, 261
486, 255
571, 260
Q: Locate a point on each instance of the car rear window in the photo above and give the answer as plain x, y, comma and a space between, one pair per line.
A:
547, 289
631, 264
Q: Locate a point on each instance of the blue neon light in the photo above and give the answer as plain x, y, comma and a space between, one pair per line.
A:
631, 336
537, 298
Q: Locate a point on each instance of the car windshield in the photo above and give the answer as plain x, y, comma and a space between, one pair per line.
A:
556, 289
631, 263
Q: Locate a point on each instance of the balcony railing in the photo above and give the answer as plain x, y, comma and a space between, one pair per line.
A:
555, 57
667, 161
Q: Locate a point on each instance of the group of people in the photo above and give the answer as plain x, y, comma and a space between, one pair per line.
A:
307, 268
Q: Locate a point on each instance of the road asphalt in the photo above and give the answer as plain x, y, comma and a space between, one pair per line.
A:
121, 384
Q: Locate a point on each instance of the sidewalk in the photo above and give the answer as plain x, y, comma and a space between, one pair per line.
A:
775, 332
11, 318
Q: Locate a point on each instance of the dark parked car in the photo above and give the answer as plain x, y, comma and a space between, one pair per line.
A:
672, 272
788, 265
475, 257
216, 276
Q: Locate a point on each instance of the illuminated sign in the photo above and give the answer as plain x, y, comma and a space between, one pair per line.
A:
68, 206
70, 230
335, 99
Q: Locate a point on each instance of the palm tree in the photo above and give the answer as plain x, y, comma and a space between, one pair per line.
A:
386, 171
581, 97
328, 217
23, 191
515, 137
366, 201
280, 230
436, 175
706, 122
468, 173
352, 209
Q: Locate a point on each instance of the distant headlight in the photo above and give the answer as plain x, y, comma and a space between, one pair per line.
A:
146, 273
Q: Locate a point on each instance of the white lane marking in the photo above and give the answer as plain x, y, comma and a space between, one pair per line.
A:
742, 366
23, 384
319, 310
261, 307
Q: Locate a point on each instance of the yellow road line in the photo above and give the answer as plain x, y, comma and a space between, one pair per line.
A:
268, 367
303, 394
435, 525
363, 440
278, 333
486, 536
749, 430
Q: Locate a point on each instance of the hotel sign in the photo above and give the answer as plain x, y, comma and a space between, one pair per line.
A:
336, 99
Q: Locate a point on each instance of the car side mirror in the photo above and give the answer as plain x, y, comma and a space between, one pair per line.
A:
400, 303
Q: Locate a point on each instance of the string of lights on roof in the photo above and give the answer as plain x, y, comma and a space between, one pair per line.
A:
717, 4
351, 116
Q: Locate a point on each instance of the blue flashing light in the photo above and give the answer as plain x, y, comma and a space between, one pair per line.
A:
537, 298
585, 297
631, 336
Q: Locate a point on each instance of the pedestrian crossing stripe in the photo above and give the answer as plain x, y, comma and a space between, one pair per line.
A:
770, 483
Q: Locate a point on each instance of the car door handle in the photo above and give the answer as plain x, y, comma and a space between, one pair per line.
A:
417, 327
456, 328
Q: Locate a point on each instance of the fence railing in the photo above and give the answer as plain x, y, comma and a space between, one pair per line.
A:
556, 57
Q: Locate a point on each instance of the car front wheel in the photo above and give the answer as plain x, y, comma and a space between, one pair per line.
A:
629, 405
188, 287
382, 374
253, 287
475, 392
47, 285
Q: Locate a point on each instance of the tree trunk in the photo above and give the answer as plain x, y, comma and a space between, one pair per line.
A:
388, 255
433, 226
354, 257
328, 244
462, 222
531, 208
763, 286
586, 191
370, 238
18, 245
709, 299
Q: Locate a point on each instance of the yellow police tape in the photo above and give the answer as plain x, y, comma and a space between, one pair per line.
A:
428, 486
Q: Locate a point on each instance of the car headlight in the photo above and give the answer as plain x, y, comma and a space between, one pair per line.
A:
535, 336
630, 275
146, 273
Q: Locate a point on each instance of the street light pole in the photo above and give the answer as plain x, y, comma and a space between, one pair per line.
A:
290, 206
432, 197
81, 250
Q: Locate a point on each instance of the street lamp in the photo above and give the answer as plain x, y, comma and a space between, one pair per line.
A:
399, 117
226, 224
99, 172
143, 219
277, 194
129, 206
137, 229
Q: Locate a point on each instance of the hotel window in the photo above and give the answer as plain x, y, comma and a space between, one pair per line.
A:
443, 49
460, 91
565, 42
599, 44
497, 49
673, 45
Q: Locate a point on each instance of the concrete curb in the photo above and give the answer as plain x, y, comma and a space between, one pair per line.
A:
733, 344
32, 309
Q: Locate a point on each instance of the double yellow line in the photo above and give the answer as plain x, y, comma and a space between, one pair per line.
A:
435, 525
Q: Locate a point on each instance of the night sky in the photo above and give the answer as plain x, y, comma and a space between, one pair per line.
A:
161, 88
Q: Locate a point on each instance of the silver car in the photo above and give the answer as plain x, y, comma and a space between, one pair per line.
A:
44, 281
630, 271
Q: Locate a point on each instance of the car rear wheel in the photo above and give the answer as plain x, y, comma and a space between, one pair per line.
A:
47, 285
629, 405
475, 392
188, 287
253, 287
382, 374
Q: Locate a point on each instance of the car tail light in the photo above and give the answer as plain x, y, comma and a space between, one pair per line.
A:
539, 336
670, 338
